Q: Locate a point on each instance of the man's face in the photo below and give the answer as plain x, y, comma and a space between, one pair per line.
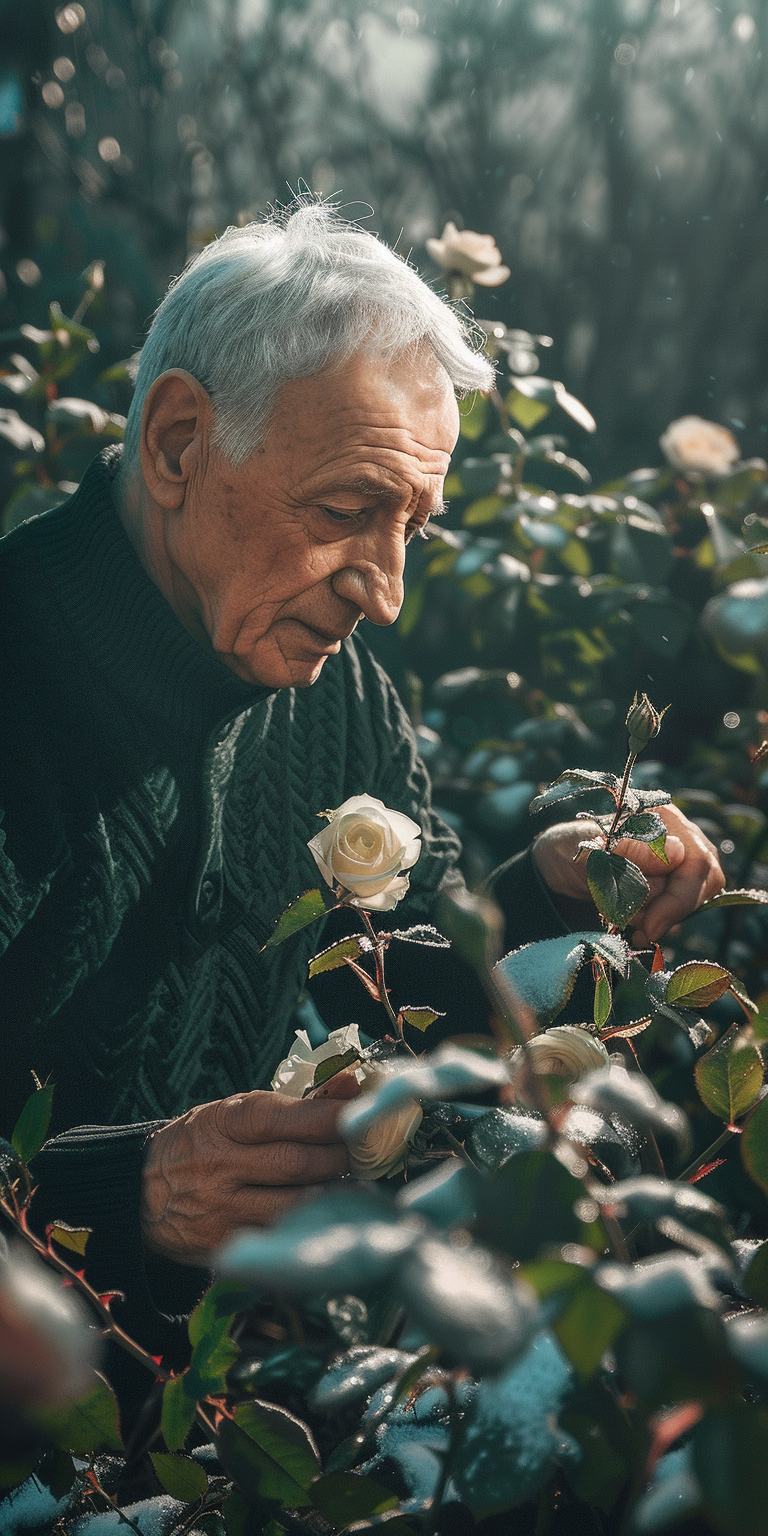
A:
278, 561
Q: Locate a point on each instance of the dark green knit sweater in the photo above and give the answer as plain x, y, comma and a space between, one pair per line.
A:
156, 815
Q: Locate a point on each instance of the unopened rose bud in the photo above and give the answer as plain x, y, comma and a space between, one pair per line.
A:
643, 723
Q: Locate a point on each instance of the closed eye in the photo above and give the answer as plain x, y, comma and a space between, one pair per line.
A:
341, 517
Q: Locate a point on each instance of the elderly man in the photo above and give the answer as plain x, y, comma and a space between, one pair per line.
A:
185, 692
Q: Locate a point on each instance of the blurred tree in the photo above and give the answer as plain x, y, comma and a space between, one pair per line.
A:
615, 148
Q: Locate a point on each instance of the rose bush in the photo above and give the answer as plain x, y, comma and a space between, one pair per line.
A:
704, 446
367, 848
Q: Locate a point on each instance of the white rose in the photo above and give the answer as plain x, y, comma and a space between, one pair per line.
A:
565, 1051
693, 443
475, 256
365, 848
372, 1153
297, 1072
380, 1150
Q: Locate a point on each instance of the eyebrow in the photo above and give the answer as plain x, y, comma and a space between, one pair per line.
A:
370, 485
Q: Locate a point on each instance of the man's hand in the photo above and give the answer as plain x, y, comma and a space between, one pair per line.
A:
692, 875
238, 1162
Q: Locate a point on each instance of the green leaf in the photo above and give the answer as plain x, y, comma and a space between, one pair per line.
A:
343, 1497
697, 984
755, 1281
213, 1354
181, 1477
90, 1424
303, 911
420, 1018
574, 782
31, 1128
730, 1462
270, 1454
178, 1413
618, 887
15, 1471
730, 1076
740, 898
74, 1238
527, 413
332, 1065
485, 510
528, 1204
754, 1145
588, 1327
472, 415
631, 1002
335, 956
648, 828
602, 1004
410, 613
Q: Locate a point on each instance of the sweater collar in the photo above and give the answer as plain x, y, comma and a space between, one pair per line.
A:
130, 630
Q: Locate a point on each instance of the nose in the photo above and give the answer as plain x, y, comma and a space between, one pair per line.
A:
376, 589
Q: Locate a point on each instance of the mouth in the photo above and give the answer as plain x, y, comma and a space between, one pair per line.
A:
329, 645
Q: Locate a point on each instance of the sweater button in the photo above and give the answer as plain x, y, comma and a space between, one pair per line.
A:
206, 891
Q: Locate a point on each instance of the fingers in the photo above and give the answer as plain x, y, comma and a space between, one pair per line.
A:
263, 1116
646, 860
286, 1162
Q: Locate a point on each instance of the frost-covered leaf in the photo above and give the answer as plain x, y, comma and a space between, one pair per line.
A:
337, 1244
335, 956
73, 1238
511, 1439
740, 898
449, 1072
304, 910
356, 1374
420, 1017
647, 827
573, 782
659, 1285
18, 433
618, 888
422, 933
446, 1197
651, 1199
614, 1091
729, 1078
478, 1314
697, 984
543, 974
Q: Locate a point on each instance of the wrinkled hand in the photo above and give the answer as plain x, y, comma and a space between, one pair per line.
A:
238, 1162
677, 889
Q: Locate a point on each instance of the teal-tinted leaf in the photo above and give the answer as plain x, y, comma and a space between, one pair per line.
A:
503, 1133
449, 1072
337, 954
587, 1327
651, 1199
660, 1285
303, 911
475, 1312
747, 1339
730, 1076
346, 1497
528, 1204
730, 1461
618, 887
754, 1145
511, 1440
740, 898
356, 1374
543, 535
420, 1017
293, 1363
614, 1091
446, 1197
91, 1424
543, 974
180, 1476
697, 984
337, 1244
177, 1414
574, 782
31, 1128
673, 1493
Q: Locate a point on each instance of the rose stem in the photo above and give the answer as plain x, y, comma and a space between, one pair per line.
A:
378, 954
628, 766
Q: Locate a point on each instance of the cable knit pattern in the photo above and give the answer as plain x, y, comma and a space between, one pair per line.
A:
157, 812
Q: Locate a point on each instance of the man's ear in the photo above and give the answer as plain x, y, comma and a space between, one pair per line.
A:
175, 428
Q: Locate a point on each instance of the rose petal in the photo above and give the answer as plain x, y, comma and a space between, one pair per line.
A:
493, 277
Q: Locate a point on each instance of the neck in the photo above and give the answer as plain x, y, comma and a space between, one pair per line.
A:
145, 525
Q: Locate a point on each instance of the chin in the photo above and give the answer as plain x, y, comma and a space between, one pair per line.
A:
281, 672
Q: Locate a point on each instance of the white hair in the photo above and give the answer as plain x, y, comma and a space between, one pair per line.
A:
299, 291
